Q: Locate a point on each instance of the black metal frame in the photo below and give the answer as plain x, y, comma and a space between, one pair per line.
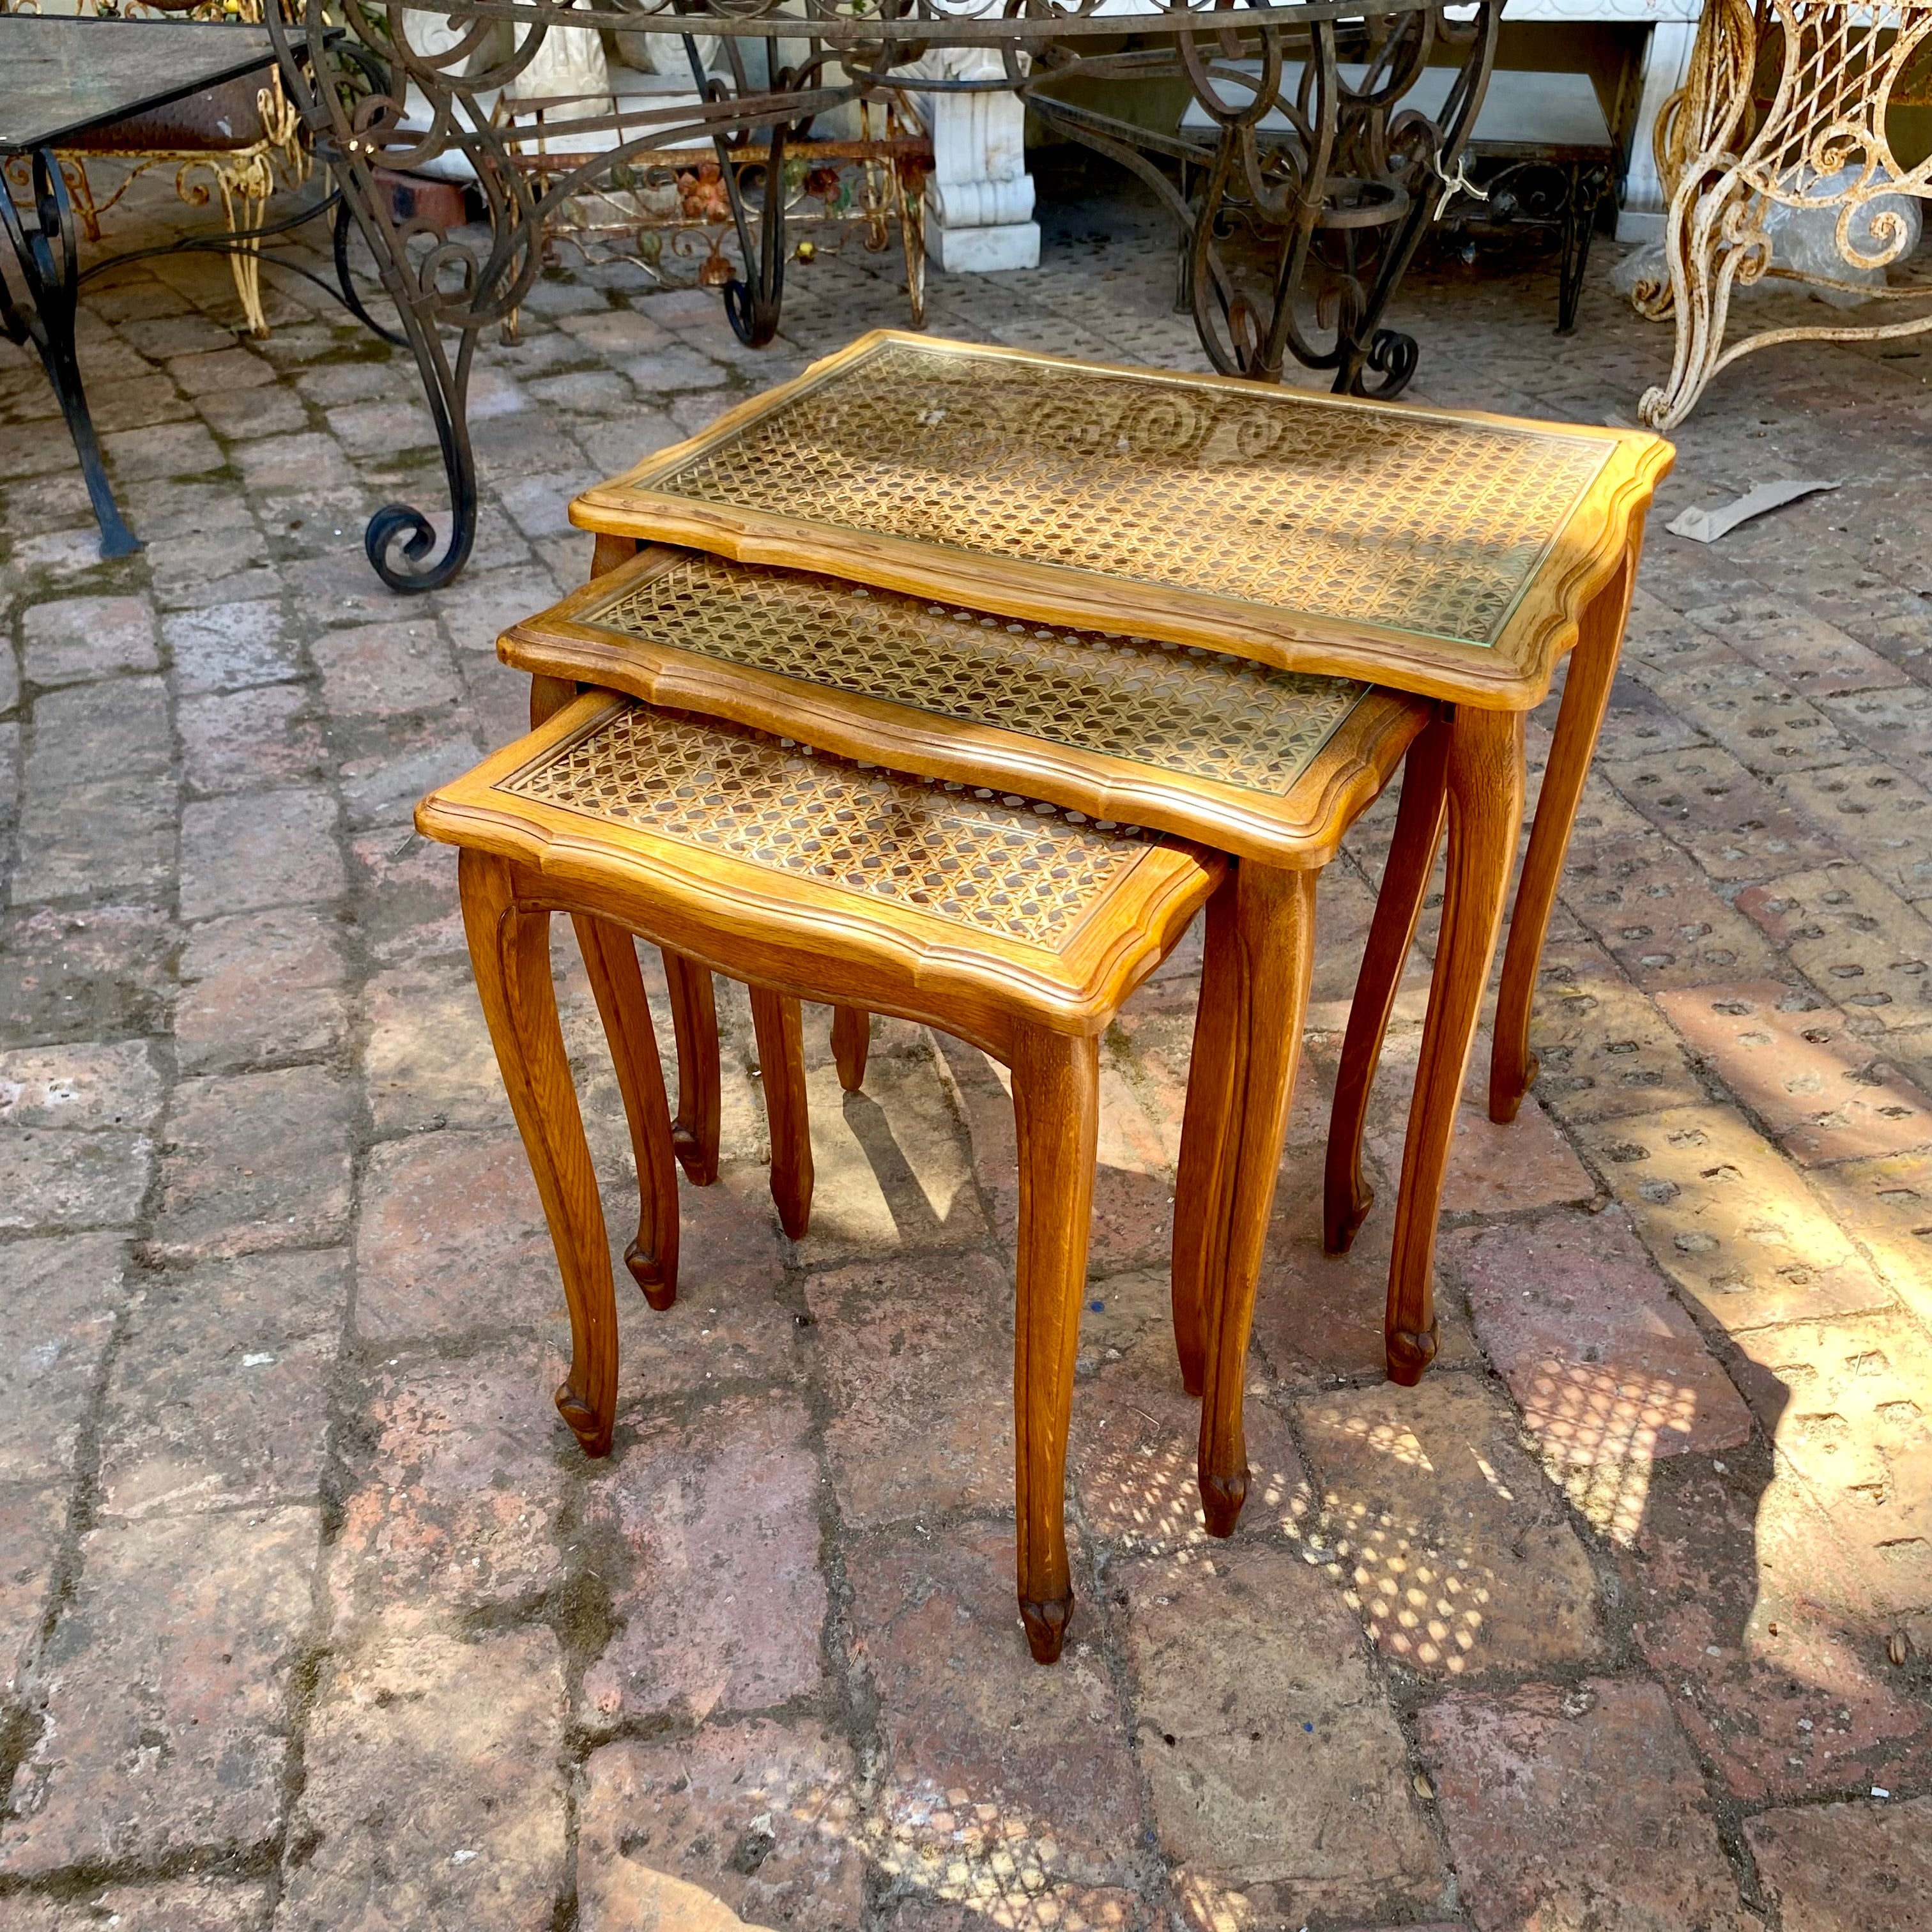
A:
1346, 198
1563, 190
43, 307
39, 302
41, 310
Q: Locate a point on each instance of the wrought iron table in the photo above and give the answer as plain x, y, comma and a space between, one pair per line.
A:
1345, 196
61, 79
1733, 160
1456, 556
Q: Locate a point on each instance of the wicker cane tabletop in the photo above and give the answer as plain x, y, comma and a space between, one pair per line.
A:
1449, 554
1268, 764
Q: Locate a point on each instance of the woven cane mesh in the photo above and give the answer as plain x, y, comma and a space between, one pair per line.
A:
1007, 865
1401, 519
1178, 710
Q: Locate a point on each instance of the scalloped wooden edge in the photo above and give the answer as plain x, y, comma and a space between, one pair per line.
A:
796, 934
1512, 674
1298, 829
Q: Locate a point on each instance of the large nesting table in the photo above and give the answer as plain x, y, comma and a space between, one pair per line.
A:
1456, 556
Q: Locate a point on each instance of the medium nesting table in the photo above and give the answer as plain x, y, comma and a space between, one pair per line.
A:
1456, 556
1271, 767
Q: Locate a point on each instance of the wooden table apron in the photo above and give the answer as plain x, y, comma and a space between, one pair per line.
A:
1470, 772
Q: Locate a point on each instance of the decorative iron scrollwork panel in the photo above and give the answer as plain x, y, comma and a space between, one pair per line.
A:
1340, 197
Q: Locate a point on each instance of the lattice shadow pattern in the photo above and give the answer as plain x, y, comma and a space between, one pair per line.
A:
1190, 712
1393, 517
1027, 871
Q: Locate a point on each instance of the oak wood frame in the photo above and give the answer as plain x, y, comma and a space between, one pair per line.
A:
1580, 596
897, 959
1039, 1011
1512, 674
1258, 955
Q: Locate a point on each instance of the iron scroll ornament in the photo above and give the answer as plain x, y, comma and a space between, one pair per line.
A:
1341, 182
1318, 155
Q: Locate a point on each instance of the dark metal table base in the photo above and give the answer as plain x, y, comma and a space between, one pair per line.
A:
41, 311
48, 259
1565, 192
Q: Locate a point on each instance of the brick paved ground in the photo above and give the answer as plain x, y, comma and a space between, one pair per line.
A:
312, 1615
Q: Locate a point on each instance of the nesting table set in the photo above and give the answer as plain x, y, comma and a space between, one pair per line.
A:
953, 682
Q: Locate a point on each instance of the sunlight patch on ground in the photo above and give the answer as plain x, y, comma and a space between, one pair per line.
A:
1599, 1430
964, 1851
1422, 1604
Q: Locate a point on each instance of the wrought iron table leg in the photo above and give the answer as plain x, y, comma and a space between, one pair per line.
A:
1589, 182
49, 259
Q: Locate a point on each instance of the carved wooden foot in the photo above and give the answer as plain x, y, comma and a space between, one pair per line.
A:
1046, 1626
649, 1275
1346, 1197
593, 1431
693, 1019
1342, 1218
1506, 1096
1222, 1499
1408, 1353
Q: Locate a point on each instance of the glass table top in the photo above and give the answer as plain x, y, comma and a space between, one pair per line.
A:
1422, 523
60, 77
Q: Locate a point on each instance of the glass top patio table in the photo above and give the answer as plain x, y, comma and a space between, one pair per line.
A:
61, 77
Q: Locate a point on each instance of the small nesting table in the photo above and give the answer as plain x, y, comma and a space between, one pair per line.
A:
1013, 924
1455, 557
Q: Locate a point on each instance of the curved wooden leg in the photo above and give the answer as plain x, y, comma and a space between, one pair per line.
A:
1056, 1116
1586, 697
610, 552
1206, 1137
1346, 1197
1275, 942
509, 951
694, 1007
548, 696
611, 958
851, 1041
1486, 777
694, 1019
780, 1032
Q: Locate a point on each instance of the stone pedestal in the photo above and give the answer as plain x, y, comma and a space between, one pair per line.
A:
978, 202
1666, 61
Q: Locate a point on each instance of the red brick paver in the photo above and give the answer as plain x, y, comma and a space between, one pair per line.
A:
312, 1614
